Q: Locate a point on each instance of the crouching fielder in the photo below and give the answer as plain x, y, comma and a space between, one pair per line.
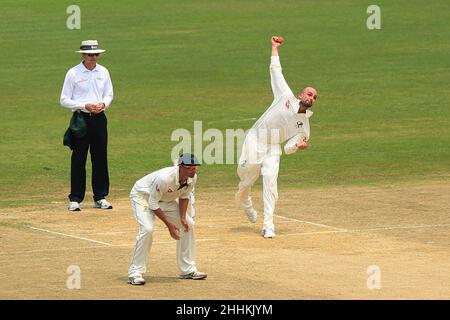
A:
287, 118
165, 193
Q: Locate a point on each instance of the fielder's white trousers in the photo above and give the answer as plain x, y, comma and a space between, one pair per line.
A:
259, 159
146, 218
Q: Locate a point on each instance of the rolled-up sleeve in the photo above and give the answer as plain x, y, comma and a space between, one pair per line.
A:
66, 100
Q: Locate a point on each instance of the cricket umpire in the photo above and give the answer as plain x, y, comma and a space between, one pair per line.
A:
287, 118
165, 194
88, 90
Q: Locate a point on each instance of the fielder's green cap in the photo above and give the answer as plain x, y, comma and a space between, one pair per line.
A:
187, 160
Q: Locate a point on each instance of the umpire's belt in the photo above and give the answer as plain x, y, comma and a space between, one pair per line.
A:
90, 113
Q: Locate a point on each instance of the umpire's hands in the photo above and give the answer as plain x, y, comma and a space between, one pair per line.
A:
95, 108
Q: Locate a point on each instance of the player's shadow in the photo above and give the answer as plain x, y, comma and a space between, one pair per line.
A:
242, 229
155, 279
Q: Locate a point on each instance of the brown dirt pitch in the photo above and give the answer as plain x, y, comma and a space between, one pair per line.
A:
328, 243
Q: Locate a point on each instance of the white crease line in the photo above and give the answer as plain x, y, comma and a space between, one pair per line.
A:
47, 250
72, 236
234, 120
369, 229
8, 254
406, 227
312, 223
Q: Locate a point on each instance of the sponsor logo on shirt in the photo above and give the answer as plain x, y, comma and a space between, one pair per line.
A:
299, 124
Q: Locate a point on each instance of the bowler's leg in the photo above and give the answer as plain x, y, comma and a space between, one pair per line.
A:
269, 171
248, 171
248, 174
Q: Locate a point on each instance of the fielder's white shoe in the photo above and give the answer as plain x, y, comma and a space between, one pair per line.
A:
102, 204
74, 206
136, 280
196, 275
268, 233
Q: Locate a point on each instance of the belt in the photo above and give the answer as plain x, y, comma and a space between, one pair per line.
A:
89, 113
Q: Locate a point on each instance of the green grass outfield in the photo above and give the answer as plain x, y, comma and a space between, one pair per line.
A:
382, 116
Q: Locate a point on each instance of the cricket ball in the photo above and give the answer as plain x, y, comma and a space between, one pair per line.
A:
278, 39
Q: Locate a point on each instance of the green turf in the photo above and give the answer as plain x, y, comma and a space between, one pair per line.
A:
383, 112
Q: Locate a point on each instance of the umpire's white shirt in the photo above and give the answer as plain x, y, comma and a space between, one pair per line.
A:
281, 121
82, 86
162, 185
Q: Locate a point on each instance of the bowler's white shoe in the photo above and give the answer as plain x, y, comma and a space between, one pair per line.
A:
251, 213
74, 206
102, 204
136, 280
196, 275
247, 206
268, 233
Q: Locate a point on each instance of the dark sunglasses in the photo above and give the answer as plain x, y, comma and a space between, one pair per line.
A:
93, 54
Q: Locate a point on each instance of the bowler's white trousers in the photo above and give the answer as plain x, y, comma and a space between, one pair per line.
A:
259, 158
146, 219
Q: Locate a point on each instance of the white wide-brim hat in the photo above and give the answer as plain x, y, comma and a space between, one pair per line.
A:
90, 46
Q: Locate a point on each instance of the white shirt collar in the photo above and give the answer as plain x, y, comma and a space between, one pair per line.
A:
84, 69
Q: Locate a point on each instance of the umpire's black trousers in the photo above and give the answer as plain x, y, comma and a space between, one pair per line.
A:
96, 140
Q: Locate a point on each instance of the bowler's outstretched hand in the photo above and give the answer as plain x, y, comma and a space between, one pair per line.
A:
302, 145
277, 41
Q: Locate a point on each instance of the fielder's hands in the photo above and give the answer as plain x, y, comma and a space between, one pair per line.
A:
302, 145
173, 230
185, 224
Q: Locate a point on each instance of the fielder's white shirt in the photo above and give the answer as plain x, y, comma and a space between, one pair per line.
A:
162, 185
281, 121
82, 86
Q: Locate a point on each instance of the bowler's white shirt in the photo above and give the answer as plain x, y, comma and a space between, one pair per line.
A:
281, 121
162, 185
82, 86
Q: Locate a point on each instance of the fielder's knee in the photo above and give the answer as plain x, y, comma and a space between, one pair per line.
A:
146, 230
